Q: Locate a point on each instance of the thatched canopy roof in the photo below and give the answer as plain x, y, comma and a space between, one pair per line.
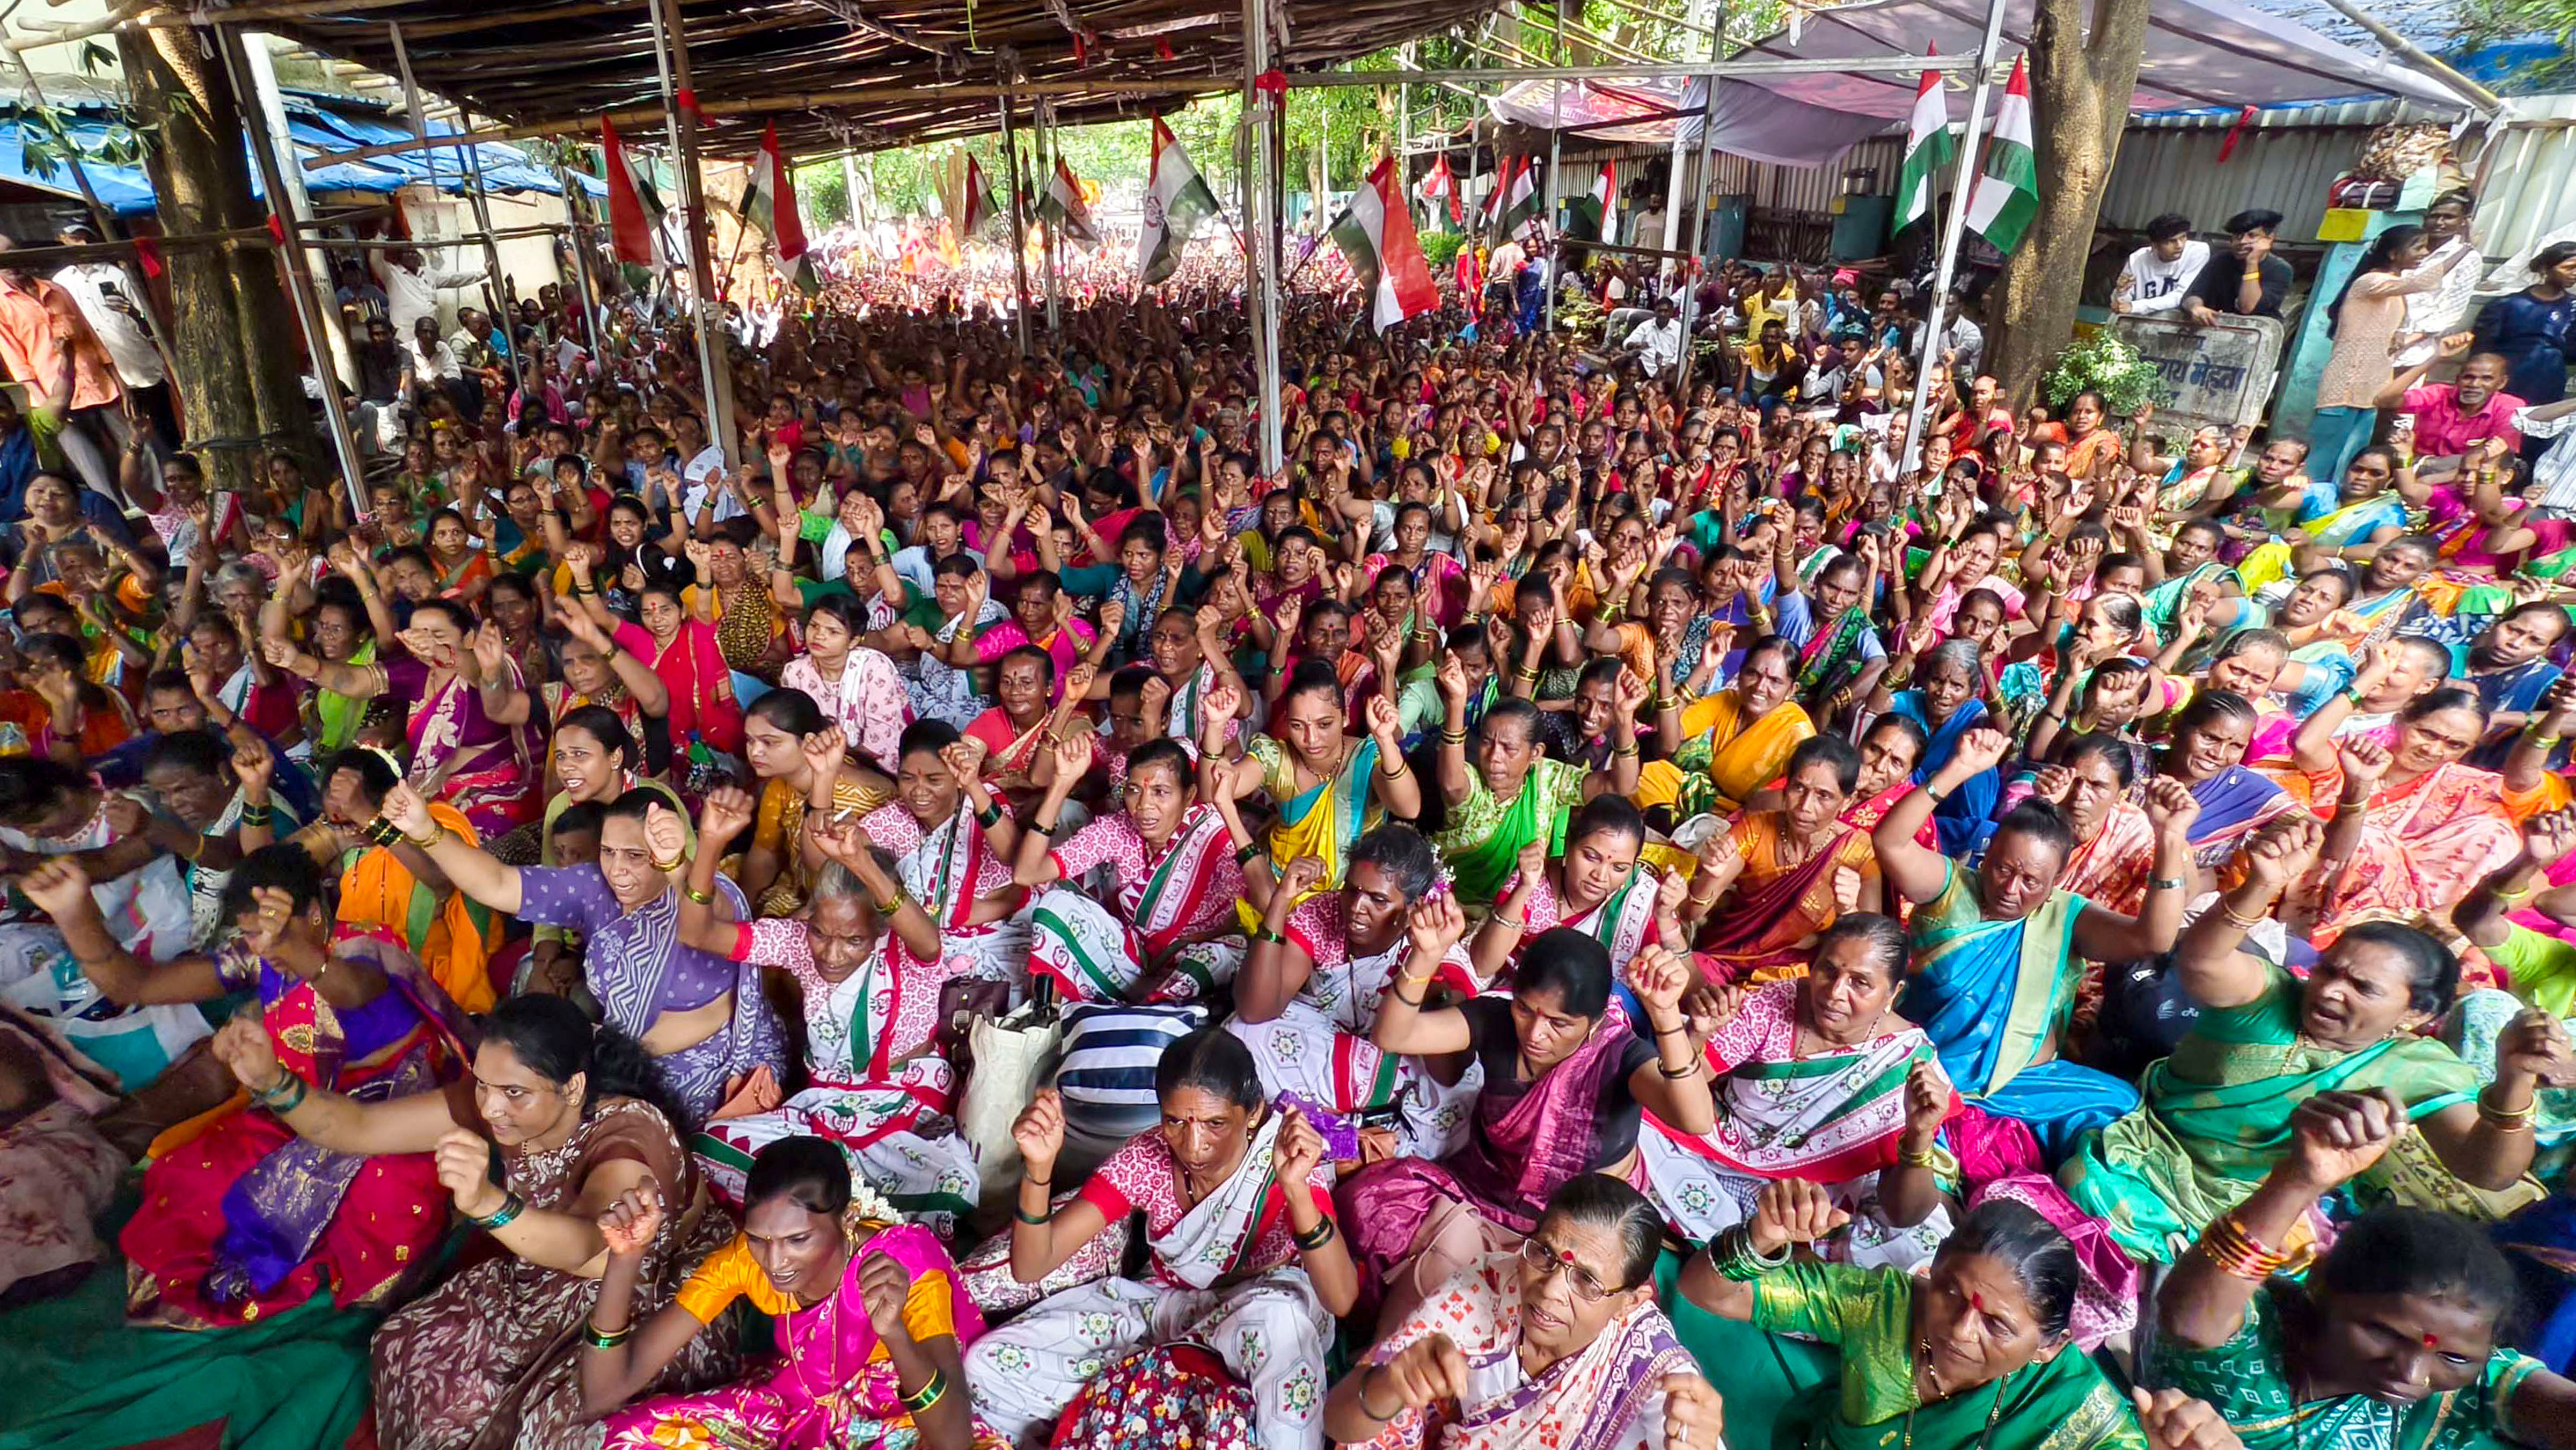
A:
567, 60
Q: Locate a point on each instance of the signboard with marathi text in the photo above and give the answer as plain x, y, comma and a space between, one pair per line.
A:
2221, 374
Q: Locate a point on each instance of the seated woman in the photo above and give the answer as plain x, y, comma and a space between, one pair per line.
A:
2205, 750
1973, 1353
389, 885
858, 687
1243, 1254
1891, 749
574, 1112
1596, 887
1512, 794
2218, 1112
1998, 949
1175, 874
241, 1218
596, 760
2394, 1340
1326, 787
866, 962
2416, 826
1566, 1079
467, 710
802, 762
1945, 703
1777, 877
1557, 1342
700, 1016
953, 845
1320, 964
2115, 846
866, 1311
1730, 744
1816, 1079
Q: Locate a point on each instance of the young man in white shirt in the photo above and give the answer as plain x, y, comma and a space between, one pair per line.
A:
2161, 272
1657, 342
2432, 315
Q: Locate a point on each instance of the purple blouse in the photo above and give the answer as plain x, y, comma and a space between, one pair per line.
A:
633, 961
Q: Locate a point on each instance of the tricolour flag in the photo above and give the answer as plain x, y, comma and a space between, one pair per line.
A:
1928, 149
975, 210
1376, 233
769, 203
1521, 200
2007, 194
1594, 216
635, 211
1063, 208
1176, 201
1442, 185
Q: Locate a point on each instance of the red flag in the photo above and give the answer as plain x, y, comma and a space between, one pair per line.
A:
779, 192
625, 207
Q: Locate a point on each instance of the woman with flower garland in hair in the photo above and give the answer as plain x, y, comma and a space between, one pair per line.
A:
869, 1321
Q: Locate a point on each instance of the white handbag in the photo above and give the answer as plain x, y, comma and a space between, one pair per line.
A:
1012, 1058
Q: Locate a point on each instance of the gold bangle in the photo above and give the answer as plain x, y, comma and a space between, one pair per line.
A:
437, 833
674, 864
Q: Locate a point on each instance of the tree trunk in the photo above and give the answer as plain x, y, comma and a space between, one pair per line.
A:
231, 342
2081, 77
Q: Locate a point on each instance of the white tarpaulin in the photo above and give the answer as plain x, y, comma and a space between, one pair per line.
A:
2197, 53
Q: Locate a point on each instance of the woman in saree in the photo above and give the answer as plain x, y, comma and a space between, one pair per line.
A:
1439, 581
595, 671
1842, 658
1513, 793
1243, 1254
1596, 887
1775, 878
735, 606
869, 1322
953, 846
681, 651
2415, 826
1557, 1342
802, 762
1999, 949
242, 1219
1730, 744
338, 630
2509, 664
2115, 846
491, 1355
1817, 1078
1177, 871
467, 711
1567, 1078
2217, 1113
1974, 1353
2093, 447
857, 686
701, 1017
462, 570
1321, 962
1945, 703
1326, 786
1891, 750
2205, 751
864, 956
2393, 1340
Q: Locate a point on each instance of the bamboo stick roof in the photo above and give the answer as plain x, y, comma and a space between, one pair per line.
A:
571, 60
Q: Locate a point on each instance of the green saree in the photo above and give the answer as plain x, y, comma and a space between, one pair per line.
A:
1483, 839
2061, 1403
2217, 1117
2247, 1380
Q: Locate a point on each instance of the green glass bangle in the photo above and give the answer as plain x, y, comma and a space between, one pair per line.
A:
512, 1205
597, 1338
1039, 1220
928, 1395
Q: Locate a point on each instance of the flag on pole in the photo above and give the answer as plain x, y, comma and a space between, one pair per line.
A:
1928, 149
635, 211
1063, 208
1376, 233
2007, 192
1520, 199
769, 203
1470, 274
1176, 201
975, 210
1442, 185
1595, 215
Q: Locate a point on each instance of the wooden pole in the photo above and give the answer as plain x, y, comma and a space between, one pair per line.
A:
469, 176
1019, 220
281, 200
671, 50
576, 206
1699, 217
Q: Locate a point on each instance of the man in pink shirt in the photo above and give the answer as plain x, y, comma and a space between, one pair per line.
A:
2452, 418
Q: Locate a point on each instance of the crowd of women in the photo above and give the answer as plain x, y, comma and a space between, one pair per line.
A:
1567, 915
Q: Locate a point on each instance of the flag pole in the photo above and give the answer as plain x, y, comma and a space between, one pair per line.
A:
1699, 213
1019, 222
1955, 228
671, 55
1555, 263
1048, 140
1261, 223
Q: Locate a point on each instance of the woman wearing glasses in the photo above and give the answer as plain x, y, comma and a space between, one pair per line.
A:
1557, 1342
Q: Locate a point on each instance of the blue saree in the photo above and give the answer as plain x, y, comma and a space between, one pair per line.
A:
1960, 818
1994, 996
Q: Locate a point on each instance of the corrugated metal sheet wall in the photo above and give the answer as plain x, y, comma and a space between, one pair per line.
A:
2528, 191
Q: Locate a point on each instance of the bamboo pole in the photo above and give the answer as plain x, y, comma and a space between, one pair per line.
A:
1964, 181
1019, 222
671, 51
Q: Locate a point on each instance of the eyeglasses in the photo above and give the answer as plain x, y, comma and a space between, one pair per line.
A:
1538, 1260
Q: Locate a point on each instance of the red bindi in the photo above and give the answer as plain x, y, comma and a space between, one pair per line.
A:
2432, 1341
1977, 1301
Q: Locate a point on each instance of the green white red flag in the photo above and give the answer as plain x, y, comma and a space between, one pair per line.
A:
2007, 193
